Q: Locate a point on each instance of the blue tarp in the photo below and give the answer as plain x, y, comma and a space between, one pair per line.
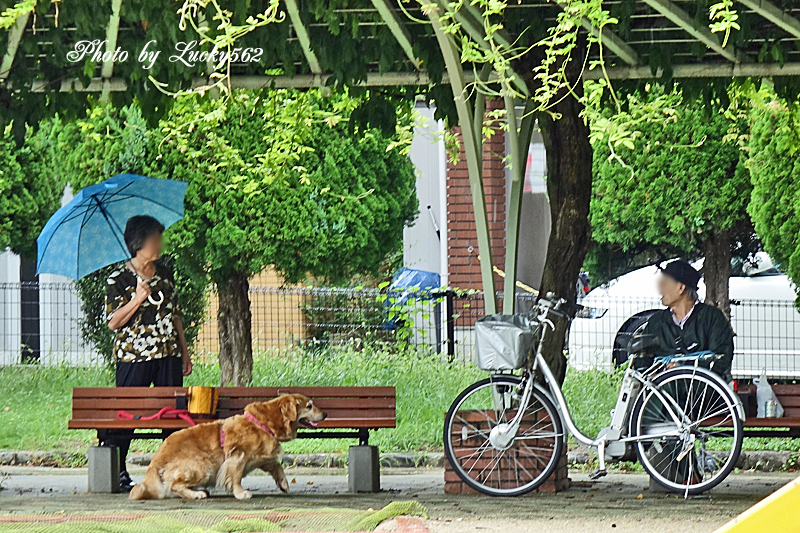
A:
419, 281
410, 283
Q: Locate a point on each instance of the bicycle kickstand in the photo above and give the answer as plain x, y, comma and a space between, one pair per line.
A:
601, 459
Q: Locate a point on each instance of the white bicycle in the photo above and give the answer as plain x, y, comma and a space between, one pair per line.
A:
504, 435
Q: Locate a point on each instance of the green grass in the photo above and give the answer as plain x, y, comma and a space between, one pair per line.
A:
35, 404
591, 396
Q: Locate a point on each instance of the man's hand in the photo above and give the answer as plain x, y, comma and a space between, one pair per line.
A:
187, 365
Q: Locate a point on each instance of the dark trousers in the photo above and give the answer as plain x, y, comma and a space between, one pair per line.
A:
165, 372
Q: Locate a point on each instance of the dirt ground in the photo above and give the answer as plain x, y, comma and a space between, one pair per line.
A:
618, 502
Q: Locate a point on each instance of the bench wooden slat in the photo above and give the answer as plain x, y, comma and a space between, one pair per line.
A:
343, 423
784, 422
347, 407
322, 403
311, 392
123, 404
336, 414
127, 392
235, 392
789, 401
787, 389
116, 404
788, 396
77, 423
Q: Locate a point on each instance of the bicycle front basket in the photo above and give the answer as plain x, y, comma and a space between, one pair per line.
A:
504, 341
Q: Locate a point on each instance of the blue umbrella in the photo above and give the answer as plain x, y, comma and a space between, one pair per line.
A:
87, 233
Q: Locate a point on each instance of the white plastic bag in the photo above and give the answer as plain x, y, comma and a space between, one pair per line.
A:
764, 394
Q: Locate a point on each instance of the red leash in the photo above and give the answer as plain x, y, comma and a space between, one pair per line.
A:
164, 413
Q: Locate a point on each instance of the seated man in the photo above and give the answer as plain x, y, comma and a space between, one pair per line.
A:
688, 325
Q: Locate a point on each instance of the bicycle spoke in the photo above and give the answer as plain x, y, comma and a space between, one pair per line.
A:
682, 462
712, 415
525, 461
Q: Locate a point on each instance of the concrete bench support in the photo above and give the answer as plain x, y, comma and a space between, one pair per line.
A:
104, 469
364, 469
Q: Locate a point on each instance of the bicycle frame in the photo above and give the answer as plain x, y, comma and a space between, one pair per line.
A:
502, 434
634, 384
662, 412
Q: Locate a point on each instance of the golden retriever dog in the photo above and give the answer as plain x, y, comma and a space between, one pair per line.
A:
224, 451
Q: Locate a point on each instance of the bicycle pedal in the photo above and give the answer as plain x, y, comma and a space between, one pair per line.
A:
597, 474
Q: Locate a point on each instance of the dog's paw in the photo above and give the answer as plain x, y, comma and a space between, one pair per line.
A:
243, 495
284, 485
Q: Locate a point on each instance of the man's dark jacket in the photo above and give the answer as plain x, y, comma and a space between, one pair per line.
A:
705, 329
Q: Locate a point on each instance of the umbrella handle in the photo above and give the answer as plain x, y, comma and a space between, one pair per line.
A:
161, 298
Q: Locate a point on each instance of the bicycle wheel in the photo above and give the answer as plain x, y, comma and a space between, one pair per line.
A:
700, 451
526, 462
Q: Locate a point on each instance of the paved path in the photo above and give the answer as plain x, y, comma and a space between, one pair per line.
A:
618, 503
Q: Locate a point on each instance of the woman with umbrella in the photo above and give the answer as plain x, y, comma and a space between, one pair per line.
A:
86, 235
149, 345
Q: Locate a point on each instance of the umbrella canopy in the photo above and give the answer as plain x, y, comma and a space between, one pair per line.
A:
87, 234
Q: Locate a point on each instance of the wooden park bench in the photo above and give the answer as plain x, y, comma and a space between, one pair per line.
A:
352, 413
786, 426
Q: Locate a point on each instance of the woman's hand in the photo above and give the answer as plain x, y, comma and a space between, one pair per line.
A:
124, 313
187, 365
142, 291
187, 361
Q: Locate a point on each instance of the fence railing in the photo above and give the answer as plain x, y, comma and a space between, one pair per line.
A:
41, 323
767, 334
284, 317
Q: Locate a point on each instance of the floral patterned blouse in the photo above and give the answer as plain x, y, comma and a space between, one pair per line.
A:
150, 333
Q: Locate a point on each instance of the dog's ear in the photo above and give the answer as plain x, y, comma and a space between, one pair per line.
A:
289, 408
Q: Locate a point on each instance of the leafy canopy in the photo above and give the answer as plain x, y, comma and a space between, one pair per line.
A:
30, 187
774, 166
275, 179
684, 180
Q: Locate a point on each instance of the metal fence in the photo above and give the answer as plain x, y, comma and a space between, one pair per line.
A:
767, 334
284, 317
41, 323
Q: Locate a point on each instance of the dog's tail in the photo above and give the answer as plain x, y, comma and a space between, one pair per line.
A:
152, 488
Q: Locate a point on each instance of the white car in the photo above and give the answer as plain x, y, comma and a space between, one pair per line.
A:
763, 315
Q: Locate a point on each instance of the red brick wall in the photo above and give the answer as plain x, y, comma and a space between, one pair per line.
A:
462, 242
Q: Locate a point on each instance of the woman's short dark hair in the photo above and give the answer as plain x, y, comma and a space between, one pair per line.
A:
138, 229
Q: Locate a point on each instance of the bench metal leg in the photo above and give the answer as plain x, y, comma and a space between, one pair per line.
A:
104, 469
363, 469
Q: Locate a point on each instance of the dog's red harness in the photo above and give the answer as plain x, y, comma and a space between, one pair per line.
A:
252, 419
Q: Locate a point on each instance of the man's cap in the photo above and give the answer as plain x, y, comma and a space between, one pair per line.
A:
682, 272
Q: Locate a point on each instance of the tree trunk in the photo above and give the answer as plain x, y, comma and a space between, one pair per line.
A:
569, 190
717, 270
235, 340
